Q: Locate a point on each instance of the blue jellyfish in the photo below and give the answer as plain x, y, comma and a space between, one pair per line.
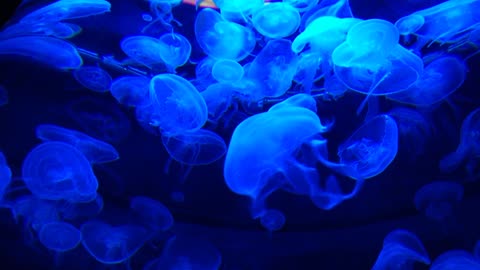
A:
438, 199
78, 211
298, 100
178, 105
151, 213
227, 71
371, 148
67, 9
401, 249
130, 90
335, 8
219, 38
143, 49
302, 5
58, 171
112, 244
5, 175
35, 212
94, 78
244, 7
94, 150
3, 96
199, 147
184, 252
219, 98
59, 236
55, 29
276, 20
175, 51
469, 145
51, 51
272, 219
456, 259
439, 79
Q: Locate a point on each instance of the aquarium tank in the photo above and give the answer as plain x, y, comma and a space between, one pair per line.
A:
240, 134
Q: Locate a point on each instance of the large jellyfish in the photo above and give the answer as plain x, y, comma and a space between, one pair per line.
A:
55, 29
94, 78
456, 259
276, 20
151, 213
438, 199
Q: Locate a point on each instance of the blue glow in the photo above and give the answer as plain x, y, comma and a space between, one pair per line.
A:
130, 90
276, 20
175, 51
452, 259
151, 213
438, 199
93, 78
5, 174
59, 236
225, 70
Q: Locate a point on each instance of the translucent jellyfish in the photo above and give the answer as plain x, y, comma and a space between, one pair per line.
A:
401, 249
298, 100
448, 22
227, 71
35, 212
59, 236
272, 220
54, 29
183, 252
112, 244
335, 8
5, 175
101, 119
469, 145
218, 97
244, 7
94, 78
219, 38
175, 51
178, 105
143, 49
302, 5
372, 147
51, 51
3, 96
273, 68
199, 147
151, 213
276, 20
456, 259
438, 199
439, 79
58, 171
94, 150
79, 211
130, 90
67, 9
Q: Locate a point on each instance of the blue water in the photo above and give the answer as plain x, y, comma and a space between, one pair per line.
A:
328, 134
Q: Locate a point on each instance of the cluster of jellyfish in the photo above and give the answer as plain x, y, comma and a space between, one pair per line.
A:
266, 64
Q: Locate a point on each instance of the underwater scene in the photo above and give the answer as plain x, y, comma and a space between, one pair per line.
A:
240, 134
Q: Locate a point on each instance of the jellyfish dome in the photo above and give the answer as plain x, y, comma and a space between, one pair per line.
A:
60, 236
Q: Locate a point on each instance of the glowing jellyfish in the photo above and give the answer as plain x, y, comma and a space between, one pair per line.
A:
298, 100
372, 147
272, 220
175, 51
112, 244
130, 90
440, 78
469, 145
302, 5
59, 236
273, 68
51, 51
93, 78
401, 248
225, 70
54, 29
5, 174
143, 49
199, 147
178, 105
58, 171
67, 9
335, 8
84, 210
182, 252
244, 7
276, 20
438, 199
453, 259
35, 212
219, 38
218, 97
151, 213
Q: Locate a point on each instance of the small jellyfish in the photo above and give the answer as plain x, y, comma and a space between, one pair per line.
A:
3, 96
5, 175
58, 171
302, 5
438, 199
143, 49
54, 29
219, 98
272, 220
93, 78
175, 51
401, 249
227, 71
469, 145
112, 244
276, 20
130, 90
48, 50
59, 236
151, 213
456, 259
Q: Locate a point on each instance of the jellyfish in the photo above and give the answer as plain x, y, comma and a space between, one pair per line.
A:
221, 39
5, 175
67, 9
143, 49
184, 252
35, 212
401, 249
58, 171
438, 199
335, 8
48, 50
227, 71
130, 90
302, 5
83, 210
276, 20
218, 98
112, 244
59, 236
298, 100
453, 259
55, 29
175, 51
244, 7
469, 145
272, 220
178, 105
151, 213
93, 78
199, 147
